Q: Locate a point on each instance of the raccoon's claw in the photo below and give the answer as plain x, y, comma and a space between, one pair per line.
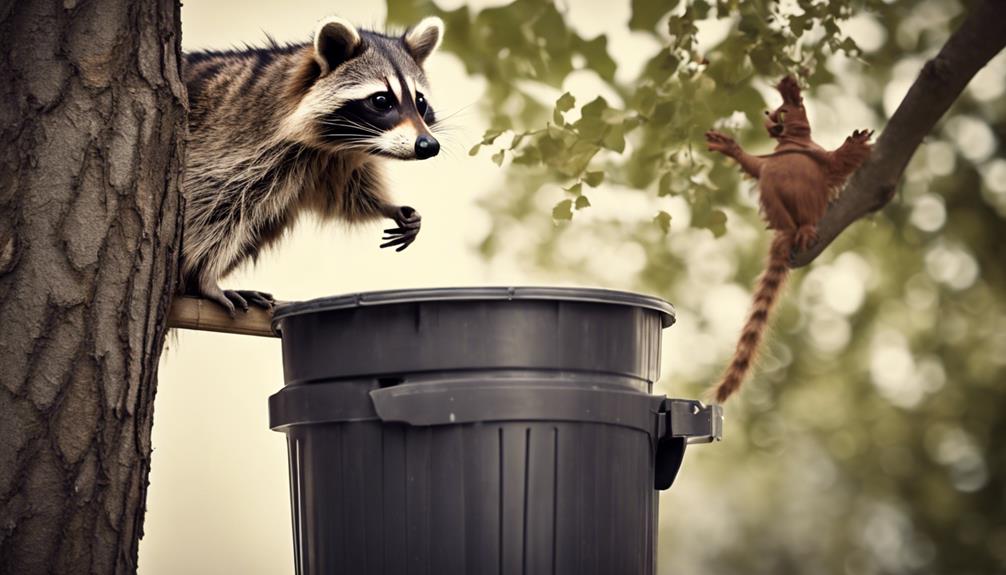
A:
409, 222
256, 298
233, 299
221, 298
237, 301
401, 237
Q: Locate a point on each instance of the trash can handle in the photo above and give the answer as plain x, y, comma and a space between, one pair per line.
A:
680, 422
691, 420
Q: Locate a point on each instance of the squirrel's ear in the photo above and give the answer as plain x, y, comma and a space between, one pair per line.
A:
335, 41
424, 38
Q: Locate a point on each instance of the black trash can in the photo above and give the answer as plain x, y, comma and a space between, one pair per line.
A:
479, 430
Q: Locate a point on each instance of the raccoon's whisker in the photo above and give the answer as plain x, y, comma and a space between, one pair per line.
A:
453, 131
450, 133
449, 143
349, 135
462, 110
354, 138
454, 151
346, 123
357, 145
360, 127
445, 127
449, 152
360, 139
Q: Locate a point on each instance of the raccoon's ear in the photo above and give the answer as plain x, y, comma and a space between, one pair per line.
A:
424, 38
335, 41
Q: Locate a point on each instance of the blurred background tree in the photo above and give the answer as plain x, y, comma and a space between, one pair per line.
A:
869, 439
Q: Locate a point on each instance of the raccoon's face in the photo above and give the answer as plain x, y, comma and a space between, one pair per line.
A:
370, 93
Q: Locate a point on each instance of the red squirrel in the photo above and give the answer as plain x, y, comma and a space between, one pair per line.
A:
796, 183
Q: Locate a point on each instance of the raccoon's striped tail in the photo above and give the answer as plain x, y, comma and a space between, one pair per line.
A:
770, 285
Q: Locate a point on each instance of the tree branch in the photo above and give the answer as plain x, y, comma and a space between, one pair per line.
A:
980, 37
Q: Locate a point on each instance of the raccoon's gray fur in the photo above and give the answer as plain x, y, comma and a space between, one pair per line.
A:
279, 130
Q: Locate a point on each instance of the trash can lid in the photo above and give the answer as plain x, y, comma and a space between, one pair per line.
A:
365, 299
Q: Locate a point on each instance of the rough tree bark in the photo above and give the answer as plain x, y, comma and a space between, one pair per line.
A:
92, 119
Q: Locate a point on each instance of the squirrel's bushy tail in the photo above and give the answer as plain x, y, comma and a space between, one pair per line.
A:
770, 285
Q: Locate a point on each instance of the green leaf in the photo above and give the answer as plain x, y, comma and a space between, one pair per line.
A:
849, 46
663, 219
529, 156
595, 108
593, 179
664, 187
800, 23
750, 23
671, 61
615, 139
550, 149
596, 53
475, 150
582, 202
576, 158
490, 136
831, 28
498, 157
646, 13
700, 9
565, 102
644, 100
590, 127
576, 189
613, 117
716, 223
563, 211
683, 29
763, 59
557, 118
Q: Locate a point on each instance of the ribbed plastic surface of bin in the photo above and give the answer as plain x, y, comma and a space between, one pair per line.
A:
479, 430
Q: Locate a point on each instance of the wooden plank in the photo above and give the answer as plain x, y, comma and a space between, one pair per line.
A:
205, 315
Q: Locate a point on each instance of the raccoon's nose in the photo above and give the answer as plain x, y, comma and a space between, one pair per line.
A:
426, 147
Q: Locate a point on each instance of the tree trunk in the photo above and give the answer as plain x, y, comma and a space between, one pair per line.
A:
92, 119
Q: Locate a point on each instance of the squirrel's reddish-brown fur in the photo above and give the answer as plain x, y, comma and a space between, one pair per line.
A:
795, 182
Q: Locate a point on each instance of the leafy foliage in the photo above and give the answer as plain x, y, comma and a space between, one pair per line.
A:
663, 112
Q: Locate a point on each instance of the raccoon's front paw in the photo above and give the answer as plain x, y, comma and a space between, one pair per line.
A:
409, 221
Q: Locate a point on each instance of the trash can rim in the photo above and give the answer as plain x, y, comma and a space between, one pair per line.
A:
389, 297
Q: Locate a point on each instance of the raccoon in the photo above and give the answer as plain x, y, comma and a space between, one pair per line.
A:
278, 131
